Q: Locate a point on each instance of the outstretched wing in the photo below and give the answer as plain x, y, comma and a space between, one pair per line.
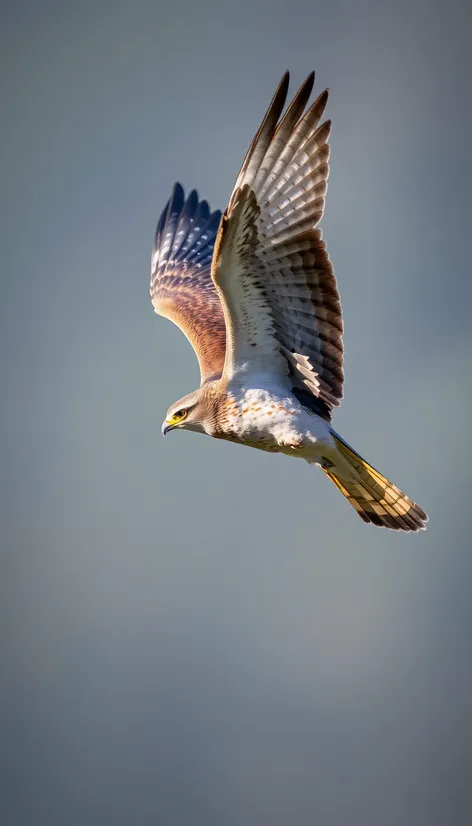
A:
270, 264
181, 285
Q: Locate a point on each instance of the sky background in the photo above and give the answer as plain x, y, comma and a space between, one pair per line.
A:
196, 634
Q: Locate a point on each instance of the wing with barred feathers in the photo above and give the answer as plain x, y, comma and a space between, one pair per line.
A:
270, 264
181, 285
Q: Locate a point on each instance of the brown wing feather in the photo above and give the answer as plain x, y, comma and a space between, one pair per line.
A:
181, 285
271, 266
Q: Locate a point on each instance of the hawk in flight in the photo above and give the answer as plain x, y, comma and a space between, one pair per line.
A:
255, 293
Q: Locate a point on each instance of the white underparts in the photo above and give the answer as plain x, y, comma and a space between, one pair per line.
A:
273, 419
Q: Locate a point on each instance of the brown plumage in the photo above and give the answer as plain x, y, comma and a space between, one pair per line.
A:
181, 286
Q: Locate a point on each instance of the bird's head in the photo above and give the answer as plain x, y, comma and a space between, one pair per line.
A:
189, 413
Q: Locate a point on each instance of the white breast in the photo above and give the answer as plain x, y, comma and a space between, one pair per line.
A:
273, 417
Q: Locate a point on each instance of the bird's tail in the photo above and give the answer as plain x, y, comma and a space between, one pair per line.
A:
374, 498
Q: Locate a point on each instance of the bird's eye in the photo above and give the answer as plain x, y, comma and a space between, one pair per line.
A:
179, 414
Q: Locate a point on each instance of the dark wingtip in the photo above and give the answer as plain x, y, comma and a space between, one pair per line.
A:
282, 88
319, 105
309, 82
177, 197
328, 125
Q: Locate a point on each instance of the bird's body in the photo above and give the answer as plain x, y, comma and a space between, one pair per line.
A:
258, 412
255, 293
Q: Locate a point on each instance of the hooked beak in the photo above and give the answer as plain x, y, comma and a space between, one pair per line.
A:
165, 428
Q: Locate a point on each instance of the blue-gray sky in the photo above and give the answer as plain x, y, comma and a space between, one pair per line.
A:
197, 633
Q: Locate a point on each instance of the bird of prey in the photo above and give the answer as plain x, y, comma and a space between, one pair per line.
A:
255, 293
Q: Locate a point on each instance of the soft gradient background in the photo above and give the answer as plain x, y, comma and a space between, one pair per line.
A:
197, 633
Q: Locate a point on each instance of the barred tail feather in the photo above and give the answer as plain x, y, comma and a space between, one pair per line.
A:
373, 497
